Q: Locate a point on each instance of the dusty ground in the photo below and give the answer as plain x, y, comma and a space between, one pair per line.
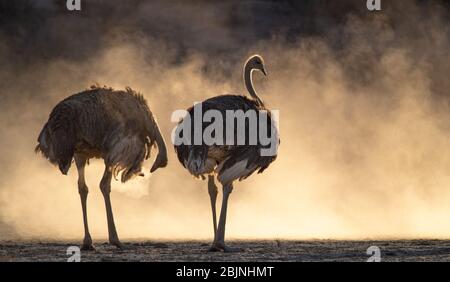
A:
320, 250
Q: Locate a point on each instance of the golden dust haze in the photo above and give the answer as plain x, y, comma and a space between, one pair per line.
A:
364, 138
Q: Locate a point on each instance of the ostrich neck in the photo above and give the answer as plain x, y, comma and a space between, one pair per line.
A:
249, 84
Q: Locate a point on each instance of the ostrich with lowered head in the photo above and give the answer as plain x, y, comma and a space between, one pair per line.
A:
228, 162
116, 126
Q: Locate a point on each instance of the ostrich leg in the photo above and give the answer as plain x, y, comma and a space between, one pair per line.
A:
105, 187
219, 241
80, 162
212, 190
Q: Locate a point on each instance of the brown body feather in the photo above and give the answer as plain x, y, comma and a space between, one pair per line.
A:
117, 126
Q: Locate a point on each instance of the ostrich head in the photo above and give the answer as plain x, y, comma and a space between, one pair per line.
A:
256, 62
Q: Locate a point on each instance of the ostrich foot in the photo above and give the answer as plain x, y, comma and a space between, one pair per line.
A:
87, 247
220, 247
215, 248
117, 243
87, 244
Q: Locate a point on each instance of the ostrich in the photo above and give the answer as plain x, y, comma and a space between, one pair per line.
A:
116, 126
226, 162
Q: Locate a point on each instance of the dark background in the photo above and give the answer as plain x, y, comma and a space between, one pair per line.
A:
45, 29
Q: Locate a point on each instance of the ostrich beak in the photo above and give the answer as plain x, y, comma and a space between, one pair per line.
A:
264, 71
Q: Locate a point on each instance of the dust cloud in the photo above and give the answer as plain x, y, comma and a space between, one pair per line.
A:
363, 101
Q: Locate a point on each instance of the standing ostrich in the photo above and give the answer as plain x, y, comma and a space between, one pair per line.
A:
227, 162
116, 126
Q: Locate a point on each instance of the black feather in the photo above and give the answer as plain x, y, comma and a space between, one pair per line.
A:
232, 154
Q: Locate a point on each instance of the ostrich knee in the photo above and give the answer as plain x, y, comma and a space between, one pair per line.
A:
105, 187
83, 190
212, 188
105, 182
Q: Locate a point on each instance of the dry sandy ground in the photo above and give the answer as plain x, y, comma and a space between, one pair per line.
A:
319, 250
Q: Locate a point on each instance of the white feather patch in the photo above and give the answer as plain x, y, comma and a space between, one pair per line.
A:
234, 172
